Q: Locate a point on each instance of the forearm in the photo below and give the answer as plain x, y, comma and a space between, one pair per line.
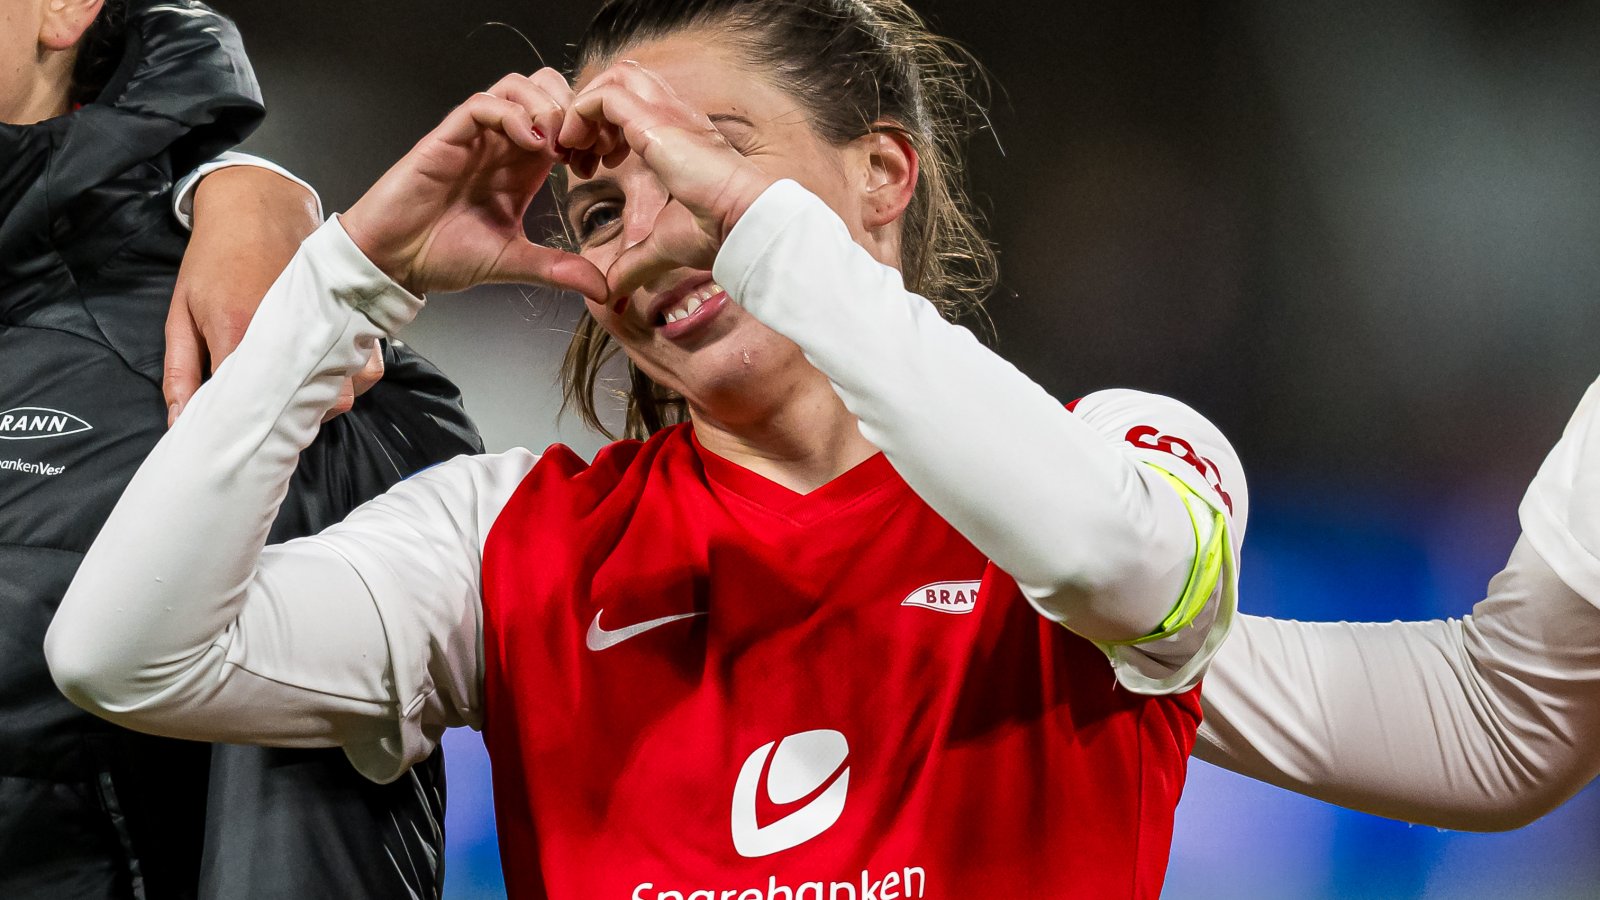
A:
1096, 540
148, 628
297, 196
1483, 723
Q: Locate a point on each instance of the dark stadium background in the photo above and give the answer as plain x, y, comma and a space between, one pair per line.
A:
1361, 237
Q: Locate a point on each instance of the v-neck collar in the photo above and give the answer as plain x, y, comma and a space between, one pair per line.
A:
866, 480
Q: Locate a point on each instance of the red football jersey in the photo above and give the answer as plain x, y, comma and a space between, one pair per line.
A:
700, 685
695, 684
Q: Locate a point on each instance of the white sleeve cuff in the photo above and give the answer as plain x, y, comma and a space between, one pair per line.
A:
183, 192
763, 223
357, 281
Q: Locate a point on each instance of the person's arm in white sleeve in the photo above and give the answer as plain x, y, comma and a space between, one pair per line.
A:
1483, 723
366, 635
1100, 516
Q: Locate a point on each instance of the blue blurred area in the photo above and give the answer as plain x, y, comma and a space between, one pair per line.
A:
1332, 552
472, 855
1314, 551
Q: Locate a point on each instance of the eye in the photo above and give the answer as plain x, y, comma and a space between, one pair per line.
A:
596, 218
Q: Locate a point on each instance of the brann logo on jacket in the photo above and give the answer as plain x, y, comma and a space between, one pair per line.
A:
28, 423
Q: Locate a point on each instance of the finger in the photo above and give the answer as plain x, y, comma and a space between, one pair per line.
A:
594, 133
544, 111
509, 118
485, 111
525, 262
552, 82
630, 76
607, 139
583, 163
371, 373
222, 333
636, 267
345, 403
641, 121
356, 385
577, 132
610, 147
183, 362
555, 85
614, 158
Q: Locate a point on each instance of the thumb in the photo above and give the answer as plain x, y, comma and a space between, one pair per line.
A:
371, 373
525, 262
636, 267
222, 332
182, 364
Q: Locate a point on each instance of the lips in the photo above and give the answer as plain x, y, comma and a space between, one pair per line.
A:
694, 319
689, 304
694, 301
674, 299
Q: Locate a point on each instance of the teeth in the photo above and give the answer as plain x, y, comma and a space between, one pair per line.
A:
694, 301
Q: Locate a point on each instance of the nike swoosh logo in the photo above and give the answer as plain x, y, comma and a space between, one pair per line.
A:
600, 639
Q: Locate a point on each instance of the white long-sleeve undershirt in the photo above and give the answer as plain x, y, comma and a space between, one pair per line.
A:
1482, 723
368, 635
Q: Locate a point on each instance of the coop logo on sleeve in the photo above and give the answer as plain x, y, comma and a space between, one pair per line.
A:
33, 423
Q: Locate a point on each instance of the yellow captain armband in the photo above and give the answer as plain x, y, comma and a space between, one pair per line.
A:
1210, 560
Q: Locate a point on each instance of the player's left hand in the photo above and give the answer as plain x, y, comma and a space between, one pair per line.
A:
711, 184
248, 223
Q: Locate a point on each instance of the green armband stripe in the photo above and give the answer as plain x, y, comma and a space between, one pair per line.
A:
1204, 574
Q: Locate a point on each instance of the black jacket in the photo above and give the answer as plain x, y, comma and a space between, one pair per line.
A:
89, 254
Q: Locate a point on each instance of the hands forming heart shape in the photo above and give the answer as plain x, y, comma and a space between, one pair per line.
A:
449, 215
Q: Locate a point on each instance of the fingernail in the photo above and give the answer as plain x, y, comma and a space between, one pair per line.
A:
537, 133
172, 414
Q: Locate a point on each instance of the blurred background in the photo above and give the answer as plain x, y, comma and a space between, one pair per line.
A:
1363, 238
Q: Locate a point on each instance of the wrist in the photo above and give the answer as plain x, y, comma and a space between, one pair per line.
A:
390, 259
743, 191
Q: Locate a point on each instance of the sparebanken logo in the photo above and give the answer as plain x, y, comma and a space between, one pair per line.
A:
31, 423
804, 774
954, 597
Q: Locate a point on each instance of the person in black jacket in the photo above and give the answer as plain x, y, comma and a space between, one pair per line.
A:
96, 130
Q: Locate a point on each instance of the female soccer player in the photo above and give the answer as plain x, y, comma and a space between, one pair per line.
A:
806, 642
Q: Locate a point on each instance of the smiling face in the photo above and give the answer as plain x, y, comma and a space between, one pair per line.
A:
681, 329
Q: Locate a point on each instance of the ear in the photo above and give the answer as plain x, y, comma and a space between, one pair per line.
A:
890, 171
65, 22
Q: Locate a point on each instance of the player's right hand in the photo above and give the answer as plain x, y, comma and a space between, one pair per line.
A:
449, 215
